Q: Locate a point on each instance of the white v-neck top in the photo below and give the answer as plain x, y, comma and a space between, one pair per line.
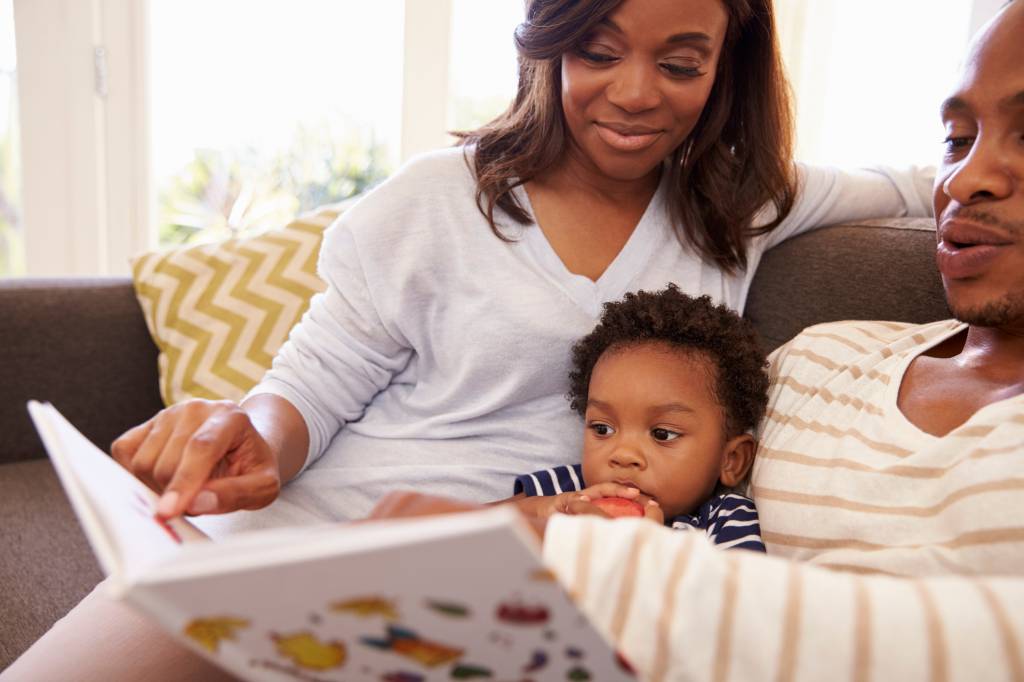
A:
438, 357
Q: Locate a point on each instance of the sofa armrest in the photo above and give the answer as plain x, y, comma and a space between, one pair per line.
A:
872, 270
81, 344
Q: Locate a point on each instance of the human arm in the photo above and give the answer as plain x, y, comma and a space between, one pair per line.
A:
830, 196
335, 361
209, 456
680, 609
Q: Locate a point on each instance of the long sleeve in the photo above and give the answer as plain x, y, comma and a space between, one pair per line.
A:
342, 353
829, 196
679, 609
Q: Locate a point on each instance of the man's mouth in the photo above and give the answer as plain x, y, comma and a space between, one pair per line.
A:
966, 250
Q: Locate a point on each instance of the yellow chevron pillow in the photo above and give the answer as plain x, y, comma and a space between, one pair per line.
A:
219, 312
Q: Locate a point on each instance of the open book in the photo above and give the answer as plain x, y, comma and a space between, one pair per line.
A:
455, 597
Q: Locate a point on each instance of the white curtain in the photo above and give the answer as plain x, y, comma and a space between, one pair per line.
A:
869, 75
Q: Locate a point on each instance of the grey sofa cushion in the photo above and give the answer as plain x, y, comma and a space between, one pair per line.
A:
81, 344
46, 565
874, 270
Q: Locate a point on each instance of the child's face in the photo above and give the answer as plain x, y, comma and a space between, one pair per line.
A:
652, 422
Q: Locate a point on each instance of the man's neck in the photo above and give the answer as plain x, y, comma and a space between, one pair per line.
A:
998, 353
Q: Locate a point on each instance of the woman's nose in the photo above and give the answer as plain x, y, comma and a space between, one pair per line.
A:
634, 87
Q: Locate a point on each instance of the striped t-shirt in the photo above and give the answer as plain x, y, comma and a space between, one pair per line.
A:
892, 553
728, 519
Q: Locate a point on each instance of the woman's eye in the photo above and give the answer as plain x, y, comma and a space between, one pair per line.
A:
682, 70
601, 429
664, 434
595, 55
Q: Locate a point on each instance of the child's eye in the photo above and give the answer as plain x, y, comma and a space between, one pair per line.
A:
601, 429
664, 434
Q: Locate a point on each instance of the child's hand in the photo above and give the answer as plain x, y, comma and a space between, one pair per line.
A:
582, 502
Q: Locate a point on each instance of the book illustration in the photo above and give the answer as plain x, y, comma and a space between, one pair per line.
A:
307, 651
537, 662
402, 676
515, 612
210, 632
366, 607
470, 672
578, 674
409, 644
449, 608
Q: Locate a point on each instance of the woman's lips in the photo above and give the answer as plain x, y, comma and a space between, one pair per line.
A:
967, 260
626, 141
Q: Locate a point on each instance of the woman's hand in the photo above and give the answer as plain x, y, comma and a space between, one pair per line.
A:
204, 457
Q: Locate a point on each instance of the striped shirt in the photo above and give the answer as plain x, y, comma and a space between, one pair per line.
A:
892, 553
728, 519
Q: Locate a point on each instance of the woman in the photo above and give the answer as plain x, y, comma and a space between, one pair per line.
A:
649, 142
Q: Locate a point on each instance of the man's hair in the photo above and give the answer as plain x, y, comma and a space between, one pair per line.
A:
737, 159
692, 325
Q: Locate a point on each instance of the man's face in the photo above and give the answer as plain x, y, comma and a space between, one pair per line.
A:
979, 189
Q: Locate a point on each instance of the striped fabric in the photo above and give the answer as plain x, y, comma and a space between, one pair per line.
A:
219, 312
728, 519
910, 546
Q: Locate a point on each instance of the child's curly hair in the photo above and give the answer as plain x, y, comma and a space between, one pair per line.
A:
692, 325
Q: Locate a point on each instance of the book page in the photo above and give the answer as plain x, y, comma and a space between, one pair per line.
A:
115, 508
440, 598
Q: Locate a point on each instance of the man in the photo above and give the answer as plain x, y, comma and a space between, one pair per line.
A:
892, 452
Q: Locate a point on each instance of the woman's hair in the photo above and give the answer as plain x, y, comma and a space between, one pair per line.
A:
737, 160
696, 326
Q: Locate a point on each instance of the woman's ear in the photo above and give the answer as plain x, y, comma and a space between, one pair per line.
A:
737, 456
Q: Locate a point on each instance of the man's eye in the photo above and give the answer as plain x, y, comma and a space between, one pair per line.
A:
601, 429
955, 142
664, 434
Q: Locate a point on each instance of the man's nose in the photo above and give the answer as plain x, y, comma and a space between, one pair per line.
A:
635, 87
983, 175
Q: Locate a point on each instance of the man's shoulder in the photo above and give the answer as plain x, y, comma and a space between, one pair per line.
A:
853, 339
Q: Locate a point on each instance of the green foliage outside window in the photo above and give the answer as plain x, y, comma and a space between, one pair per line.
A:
12, 259
228, 193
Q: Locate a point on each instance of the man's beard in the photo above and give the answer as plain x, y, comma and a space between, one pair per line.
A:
1004, 312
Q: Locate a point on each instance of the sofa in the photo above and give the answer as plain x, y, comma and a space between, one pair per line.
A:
83, 345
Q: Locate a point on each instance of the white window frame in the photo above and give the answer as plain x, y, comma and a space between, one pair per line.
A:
86, 171
86, 199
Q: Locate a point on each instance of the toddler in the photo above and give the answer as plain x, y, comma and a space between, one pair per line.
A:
670, 388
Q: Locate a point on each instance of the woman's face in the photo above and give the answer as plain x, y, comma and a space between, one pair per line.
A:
634, 88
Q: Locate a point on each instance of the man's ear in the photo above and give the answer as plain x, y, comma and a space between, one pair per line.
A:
737, 456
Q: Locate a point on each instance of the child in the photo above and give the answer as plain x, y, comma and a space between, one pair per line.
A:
670, 388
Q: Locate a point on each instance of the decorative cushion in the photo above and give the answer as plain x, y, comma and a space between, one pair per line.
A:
219, 312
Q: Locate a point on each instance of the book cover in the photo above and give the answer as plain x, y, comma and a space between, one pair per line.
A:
454, 597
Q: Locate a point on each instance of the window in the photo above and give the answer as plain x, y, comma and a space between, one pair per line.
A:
483, 66
182, 120
869, 76
11, 255
274, 108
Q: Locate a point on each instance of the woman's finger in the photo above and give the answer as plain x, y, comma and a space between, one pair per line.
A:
127, 444
145, 459
217, 436
248, 491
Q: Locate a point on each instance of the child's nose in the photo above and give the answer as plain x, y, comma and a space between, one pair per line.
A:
627, 455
